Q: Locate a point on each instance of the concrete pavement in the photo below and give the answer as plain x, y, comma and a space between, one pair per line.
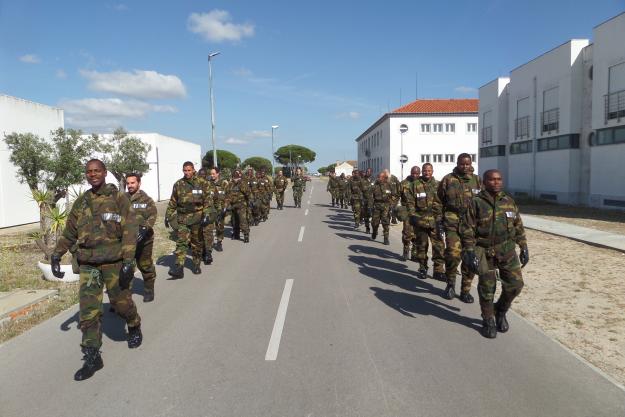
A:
361, 336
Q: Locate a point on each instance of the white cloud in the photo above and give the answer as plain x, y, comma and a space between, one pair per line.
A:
465, 90
30, 59
235, 141
216, 26
107, 113
243, 72
139, 84
61, 74
349, 115
259, 134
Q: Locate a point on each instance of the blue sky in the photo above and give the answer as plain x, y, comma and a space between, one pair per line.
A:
322, 70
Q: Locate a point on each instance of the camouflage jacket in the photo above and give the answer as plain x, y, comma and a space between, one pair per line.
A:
342, 184
102, 224
366, 184
492, 223
395, 187
299, 182
265, 187
355, 188
455, 192
407, 198
333, 183
252, 184
238, 194
191, 200
427, 206
280, 184
220, 188
381, 194
144, 208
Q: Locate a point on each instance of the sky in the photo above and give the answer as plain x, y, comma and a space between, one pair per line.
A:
324, 71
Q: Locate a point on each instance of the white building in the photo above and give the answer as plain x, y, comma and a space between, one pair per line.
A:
438, 130
546, 127
21, 116
345, 167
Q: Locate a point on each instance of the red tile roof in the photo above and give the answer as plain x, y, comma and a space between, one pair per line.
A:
452, 105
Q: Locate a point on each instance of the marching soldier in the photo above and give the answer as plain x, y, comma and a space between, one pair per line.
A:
265, 192
395, 194
145, 215
408, 201
367, 182
380, 200
455, 192
357, 195
492, 227
220, 185
332, 187
189, 210
207, 233
299, 187
238, 197
343, 191
279, 184
102, 224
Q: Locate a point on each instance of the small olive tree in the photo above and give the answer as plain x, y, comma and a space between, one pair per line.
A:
125, 154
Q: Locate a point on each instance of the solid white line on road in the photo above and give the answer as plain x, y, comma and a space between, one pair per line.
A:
278, 325
306, 212
301, 234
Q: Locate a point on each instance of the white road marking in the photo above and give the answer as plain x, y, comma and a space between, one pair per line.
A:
306, 212
278, 325
301, 234
309, 202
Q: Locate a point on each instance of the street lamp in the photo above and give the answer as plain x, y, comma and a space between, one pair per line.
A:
210, 87
402, 158
274, 127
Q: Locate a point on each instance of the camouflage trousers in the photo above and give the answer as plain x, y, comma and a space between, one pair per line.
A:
145, 264
334, 195
208, 237
341, 198
257, 209
240, 222
381, 214
188, 235
93, 279
265, 205
219, 229
423, 236
507, 263
394, 202
364, 213
280, 198
357, 210
408, 235
297, 196
453, 256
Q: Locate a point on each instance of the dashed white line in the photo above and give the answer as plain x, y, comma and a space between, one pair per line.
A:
306, 212
301, 233
278, 325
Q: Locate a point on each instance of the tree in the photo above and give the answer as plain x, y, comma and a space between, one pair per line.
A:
294, 154
258, 163
323, 170
225, 159
125, 154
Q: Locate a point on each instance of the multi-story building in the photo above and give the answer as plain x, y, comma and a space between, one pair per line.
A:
554, 126
434, 131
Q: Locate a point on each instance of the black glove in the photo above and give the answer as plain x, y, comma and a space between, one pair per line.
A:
55, 263
205, 221
440, 229
126, 274
166, 223
470, 259
413, 220
142, 233
524, 257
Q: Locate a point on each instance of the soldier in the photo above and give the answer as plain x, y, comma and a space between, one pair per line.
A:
343, 191
367, 182
395, 194
428, 223
279, 184
332, 187
380, 200
299, 187
357, 195
102, 223
189, 211
266, 191
145, 215
455, 192
238, 196
491, 228
207, 233
408, 200
220, 185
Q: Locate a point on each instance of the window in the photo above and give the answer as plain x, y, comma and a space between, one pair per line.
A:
608, 136
438, 127
425, 128
490, 151
558, 142
521, 147
438, 157
615, 99
472, 127
450, 127
487, 130
425, 158
450, 157
551, 113
522, 121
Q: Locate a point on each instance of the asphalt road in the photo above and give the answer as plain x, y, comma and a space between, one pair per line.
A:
309, 319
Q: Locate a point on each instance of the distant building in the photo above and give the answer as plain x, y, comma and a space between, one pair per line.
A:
556, 126
345, 167
438, 130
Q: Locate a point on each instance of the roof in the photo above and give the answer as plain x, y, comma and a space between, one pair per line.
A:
352, 163
452, 105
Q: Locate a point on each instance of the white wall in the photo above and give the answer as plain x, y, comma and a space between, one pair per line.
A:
563, 181
378, 148
494, 99
21, 116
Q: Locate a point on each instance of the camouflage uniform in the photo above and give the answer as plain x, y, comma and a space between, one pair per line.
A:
103, 225
220, 186
407, 200
299, 186
428, 210
367, 188
332, 188
357, 195
208, 232
279, 186
266, 187
253, 208
380, 199
455, 192
188, 203
343, 195
145, 215
492, 226
238, 195
395, 196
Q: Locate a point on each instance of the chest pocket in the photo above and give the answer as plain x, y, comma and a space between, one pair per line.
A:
100, 222
421, 200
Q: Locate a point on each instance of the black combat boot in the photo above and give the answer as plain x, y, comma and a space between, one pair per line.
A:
386, 241
423, 272
367, 228
489, 328
218, 246
374, 235
176, 271
500, 318
196, 268
208, 257
466, 297
439, 276
450, 292
246, 238
413, 257
394, 220
405, 254
93, 363
148, 291
135, 337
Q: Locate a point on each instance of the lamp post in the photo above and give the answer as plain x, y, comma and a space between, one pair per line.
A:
402, 158
274, 127
210, 88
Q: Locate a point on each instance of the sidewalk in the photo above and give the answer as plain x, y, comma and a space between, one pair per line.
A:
582, 234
